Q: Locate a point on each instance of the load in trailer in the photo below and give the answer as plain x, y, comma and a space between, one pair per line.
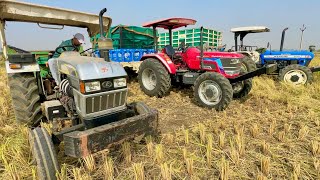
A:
292, 66
88, 108
217, 76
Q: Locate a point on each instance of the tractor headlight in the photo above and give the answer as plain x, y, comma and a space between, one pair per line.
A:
92, 86
121, 82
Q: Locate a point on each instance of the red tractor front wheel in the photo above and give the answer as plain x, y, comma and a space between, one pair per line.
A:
212, 90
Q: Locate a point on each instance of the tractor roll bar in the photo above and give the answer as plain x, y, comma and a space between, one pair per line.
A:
201, 47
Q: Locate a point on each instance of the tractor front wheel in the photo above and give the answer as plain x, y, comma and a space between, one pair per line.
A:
154, 78
296, 75
43, 153
212, 90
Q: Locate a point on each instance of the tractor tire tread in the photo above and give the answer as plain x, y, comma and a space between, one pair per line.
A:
227, 91
249, 63
25, 98
164, 78
44, 153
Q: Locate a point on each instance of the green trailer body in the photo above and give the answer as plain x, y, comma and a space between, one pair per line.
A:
191, 37
129, 37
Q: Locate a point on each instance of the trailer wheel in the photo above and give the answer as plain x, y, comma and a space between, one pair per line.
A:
44, 154
296, 74
212, 90
154, 78
25, 98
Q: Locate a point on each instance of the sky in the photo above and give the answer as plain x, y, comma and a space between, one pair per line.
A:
219, 15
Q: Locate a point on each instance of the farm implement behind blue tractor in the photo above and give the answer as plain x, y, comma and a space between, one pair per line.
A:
292, 66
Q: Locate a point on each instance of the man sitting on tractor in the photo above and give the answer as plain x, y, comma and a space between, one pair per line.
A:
73, 44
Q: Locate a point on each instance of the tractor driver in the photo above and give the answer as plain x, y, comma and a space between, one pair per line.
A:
73, 44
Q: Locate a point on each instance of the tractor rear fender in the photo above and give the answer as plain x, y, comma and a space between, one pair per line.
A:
24, 67
164, 59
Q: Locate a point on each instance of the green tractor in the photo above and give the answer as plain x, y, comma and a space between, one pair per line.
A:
87, 108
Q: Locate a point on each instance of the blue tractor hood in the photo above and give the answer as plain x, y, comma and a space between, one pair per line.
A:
285, 55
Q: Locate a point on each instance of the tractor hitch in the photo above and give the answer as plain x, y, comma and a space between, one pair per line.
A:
270, 68
315, 69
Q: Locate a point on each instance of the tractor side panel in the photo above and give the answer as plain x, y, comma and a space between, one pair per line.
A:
164, 59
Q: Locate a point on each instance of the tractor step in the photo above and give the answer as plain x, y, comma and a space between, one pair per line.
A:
83, 143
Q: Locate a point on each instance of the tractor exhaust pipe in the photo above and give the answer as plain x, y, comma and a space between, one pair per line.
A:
104, 44
282, 38
201, 48
101, 21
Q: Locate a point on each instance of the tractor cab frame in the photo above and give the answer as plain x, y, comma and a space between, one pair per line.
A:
168, 24
242, 32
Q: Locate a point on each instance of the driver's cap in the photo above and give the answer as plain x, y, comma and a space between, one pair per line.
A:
80, 37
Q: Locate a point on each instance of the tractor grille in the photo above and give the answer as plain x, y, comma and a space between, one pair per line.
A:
231, 65
100, 104
105, 101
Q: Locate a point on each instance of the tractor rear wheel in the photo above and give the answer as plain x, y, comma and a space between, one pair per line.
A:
296, 74
248, 65
25, 98
154, 78
43, 153
212, 90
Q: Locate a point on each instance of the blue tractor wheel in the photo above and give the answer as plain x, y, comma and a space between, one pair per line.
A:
296, 74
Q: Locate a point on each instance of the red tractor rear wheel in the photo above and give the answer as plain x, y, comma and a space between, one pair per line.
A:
154, 78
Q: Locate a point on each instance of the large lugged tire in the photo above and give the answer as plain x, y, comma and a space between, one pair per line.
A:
245, 88
296, 74
154, 78
25, 98
212, 90
44, 154
242, 89
248, 65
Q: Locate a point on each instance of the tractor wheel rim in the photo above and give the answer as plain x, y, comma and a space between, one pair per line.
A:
295, 77
210, 92
149, 79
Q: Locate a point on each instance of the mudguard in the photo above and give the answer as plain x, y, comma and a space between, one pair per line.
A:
25, 67
164, 59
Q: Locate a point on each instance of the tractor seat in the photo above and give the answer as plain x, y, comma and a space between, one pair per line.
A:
168, 49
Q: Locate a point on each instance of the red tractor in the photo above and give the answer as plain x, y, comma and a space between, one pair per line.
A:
218, 77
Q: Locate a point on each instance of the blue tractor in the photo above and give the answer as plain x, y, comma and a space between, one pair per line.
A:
292, 65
